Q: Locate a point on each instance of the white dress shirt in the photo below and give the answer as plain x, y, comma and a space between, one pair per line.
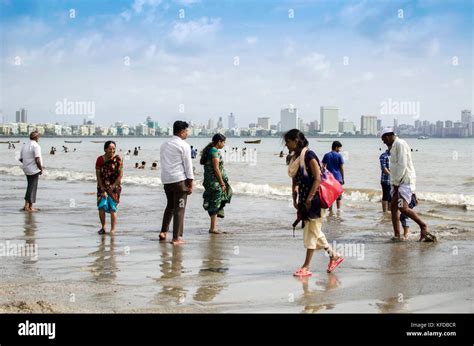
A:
175, 160
402, 170
29, 152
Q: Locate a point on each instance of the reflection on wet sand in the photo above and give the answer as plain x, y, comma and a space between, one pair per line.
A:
171, 267
395, 281
212, 272
309, 296
104, 268
30, 228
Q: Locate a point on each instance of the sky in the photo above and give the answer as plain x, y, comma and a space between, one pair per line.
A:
199, 59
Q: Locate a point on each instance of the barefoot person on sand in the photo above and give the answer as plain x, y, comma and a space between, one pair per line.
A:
30, 157
177, 177
217, 191
304, 169
109, 171
402, 179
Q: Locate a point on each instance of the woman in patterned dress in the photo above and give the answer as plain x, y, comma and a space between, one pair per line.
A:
109, 171
217, 191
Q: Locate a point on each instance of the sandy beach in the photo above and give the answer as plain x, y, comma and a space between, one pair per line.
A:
246, 270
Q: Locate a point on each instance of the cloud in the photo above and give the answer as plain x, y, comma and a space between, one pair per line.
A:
187, 2
194, 33
138, 5
317, 64
433, 47
251, 40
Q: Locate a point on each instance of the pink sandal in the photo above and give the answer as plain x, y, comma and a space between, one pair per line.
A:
334, 263
302, 272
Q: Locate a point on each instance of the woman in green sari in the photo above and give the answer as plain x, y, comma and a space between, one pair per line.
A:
217, 191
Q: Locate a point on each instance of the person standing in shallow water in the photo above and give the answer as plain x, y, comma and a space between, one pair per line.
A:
109, 171
304, 169
217, 191
334, 162
402, 179
177, 177
32, 164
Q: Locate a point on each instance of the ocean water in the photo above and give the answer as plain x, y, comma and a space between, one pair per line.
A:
444, 168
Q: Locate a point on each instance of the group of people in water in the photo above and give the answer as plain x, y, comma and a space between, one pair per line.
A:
304, 168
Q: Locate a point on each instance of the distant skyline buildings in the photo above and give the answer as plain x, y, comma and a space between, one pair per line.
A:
329, 119
264, 123
368, 125
21, 116
231, 121
288, 118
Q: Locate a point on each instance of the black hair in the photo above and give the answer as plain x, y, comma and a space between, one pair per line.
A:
298, 136
336, 144
179, 126
143, 162
108, 143
34, 134
215, 139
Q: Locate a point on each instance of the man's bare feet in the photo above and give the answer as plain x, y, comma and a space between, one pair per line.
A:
177, 241
112, 231
162, 236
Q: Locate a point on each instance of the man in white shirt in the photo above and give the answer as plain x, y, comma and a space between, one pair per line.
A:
403, 180
30, 157
177, 177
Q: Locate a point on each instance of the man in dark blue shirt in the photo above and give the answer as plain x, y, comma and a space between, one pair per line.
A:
334, 163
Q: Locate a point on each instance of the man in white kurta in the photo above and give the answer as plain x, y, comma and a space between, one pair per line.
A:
403, 181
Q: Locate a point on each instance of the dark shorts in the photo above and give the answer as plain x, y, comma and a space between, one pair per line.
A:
386, 192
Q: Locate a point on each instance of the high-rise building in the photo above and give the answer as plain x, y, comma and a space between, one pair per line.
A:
346, 127
395, 124
210, 125
466, 116
288, 118
301, 126
220, 123
379, 124
314, 126
329, 120
232, 123
368, 125
21, 116
263, 123
466, 119
448, 124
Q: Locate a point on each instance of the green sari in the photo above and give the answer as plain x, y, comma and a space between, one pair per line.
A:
214, 199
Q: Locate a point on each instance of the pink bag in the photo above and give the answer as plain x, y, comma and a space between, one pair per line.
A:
329, 189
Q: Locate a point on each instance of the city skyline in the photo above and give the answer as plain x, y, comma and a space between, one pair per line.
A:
193, 60
369, 126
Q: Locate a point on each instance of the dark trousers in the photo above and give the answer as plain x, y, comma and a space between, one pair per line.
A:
30, 195
176, 194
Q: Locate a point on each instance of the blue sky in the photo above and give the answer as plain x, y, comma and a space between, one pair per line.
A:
191, 61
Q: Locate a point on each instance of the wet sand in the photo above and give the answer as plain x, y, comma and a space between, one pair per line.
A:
247, 270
